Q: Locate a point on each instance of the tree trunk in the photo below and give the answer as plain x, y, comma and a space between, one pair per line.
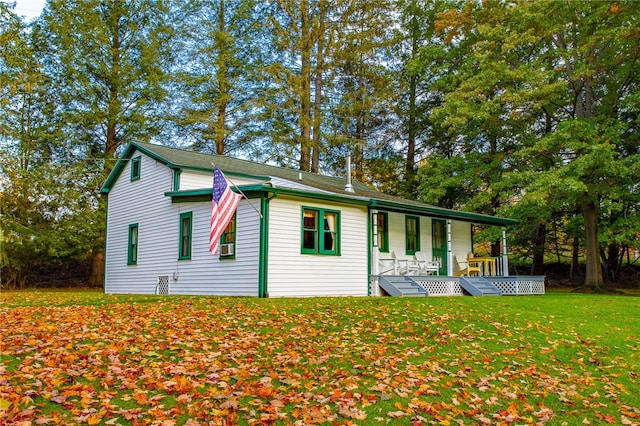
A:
575, 267
537, 267
593, 278
317, 103
96, 273
413, 83
305, 88
222, 84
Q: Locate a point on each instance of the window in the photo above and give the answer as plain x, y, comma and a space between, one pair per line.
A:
228, 240
383, 232
320, 231
412, 228
135, 169
176, 180
184, 249
132, 252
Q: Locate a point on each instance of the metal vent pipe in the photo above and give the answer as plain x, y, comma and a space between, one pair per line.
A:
348, 187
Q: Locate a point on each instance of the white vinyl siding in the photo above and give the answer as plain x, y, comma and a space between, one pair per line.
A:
461, 239
208, 274
292, 273
192, 179
143, 202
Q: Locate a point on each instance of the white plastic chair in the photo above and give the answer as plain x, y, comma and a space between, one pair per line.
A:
393, 264
425, 265
389, 264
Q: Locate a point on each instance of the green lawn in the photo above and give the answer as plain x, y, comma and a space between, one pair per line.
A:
90, 358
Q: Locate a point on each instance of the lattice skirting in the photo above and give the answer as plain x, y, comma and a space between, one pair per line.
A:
450, 286
163, 285
520, 285
441, 287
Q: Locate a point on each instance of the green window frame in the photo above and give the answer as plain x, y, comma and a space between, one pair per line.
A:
135, 168
228, 240
132, 245
412, 234
186, 236
383, 232
316, 239
176, 179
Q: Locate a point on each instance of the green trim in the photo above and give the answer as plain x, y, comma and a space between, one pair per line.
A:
188, 216
234, 242
322, 196
176, 179
320, 234
133, 147
202, 195
409, 250
442, 213
385, 236
133, 244
370, 248
264, 248
104, 243
136, 166
442, 250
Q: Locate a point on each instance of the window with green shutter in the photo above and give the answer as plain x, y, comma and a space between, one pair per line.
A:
135, 168
383, 232
412, 232
184, 246
320, 231
132, 251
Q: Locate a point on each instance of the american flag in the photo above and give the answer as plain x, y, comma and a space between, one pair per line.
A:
223, 205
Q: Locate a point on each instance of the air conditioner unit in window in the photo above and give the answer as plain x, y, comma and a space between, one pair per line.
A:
226, 249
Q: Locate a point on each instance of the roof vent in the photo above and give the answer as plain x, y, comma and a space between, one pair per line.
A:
348, 186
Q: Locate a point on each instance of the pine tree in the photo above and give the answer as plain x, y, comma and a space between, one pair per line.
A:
110, 76
217, 73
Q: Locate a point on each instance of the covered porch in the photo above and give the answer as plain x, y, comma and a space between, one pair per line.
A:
407, 285
441, 262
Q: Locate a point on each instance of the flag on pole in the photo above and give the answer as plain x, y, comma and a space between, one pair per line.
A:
223, 205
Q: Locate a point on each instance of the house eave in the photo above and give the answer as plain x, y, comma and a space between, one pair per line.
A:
442, 213
253, 190
133, 147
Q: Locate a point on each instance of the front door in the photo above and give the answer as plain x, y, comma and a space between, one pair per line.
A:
439, 240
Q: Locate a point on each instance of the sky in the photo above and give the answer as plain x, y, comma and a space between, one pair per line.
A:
28, 8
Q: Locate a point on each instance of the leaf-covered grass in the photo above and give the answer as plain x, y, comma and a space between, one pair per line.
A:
90, 358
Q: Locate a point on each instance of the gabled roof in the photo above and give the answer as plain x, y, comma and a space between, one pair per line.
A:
321, 186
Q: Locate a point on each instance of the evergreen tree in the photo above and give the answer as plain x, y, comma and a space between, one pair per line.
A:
362, 101
217, 73
539, 96
45, 207
109, 74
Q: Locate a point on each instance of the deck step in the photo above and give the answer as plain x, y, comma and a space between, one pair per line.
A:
401, 286
479, 286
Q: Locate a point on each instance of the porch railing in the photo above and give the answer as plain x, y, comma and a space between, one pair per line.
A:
490, 266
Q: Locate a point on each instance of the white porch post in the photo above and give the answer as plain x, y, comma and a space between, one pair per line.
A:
374, 250
505, 259
449, 250
375, 254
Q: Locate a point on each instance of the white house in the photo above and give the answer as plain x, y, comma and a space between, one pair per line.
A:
295, 233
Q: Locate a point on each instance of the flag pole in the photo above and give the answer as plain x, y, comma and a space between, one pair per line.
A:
241, 193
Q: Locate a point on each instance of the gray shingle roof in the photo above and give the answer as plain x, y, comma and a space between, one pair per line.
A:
183, 159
